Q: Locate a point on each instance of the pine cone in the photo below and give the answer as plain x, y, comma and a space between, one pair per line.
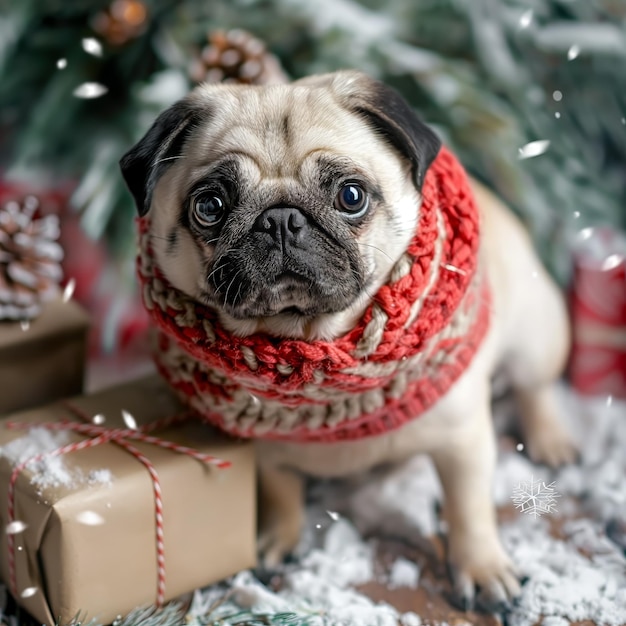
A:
30, 270
236, 56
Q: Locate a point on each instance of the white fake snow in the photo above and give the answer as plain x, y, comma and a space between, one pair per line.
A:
345, 560
564, 585
404, 573
320, 588
51, 471
100, 477
411, 619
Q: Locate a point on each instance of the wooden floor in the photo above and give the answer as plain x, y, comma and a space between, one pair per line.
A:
431, 600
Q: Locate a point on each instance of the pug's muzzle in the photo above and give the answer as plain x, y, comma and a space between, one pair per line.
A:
286, 263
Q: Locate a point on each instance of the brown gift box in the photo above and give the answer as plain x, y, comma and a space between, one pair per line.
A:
46, 361
108, 569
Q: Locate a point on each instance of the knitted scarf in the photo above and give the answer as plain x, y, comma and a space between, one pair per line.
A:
415, 339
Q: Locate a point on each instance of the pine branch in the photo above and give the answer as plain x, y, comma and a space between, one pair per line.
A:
470, 68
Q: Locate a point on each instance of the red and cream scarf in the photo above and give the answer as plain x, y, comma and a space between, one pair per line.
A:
414, 341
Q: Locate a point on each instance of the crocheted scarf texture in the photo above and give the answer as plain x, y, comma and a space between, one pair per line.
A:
415, 339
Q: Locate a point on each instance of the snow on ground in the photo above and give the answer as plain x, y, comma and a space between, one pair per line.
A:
579, 576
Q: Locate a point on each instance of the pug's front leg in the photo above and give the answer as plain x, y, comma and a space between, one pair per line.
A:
281, 509
475, 555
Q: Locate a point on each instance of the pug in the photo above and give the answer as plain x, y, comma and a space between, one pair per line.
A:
283, 210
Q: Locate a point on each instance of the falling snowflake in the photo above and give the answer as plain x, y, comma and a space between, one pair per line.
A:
90, 90
610, 263
29, 592
90, 518
453, 268
526, 18
129, 420
573, 52
16, 527
92, 46
535, 497
68, 292
534, 148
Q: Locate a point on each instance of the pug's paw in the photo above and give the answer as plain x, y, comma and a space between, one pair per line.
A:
551, 444
278, 540
482, 574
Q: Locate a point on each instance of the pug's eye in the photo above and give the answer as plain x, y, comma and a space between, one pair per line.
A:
208, 208
352, 200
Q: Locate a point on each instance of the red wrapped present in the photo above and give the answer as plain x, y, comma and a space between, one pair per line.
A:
598, 359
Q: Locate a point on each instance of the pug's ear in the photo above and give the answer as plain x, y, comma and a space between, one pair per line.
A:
391, 117
144, 163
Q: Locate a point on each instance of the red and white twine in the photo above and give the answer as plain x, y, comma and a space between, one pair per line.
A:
120, 437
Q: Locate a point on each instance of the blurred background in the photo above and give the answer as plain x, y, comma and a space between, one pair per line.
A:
531, 94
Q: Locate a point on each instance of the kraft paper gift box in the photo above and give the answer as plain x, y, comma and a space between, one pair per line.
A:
89, 547
45, 360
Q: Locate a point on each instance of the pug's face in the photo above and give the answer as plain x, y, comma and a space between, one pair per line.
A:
283, 207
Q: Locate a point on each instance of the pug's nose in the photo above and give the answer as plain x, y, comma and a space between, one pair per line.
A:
285, 225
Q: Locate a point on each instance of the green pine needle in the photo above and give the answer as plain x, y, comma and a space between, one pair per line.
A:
470, 68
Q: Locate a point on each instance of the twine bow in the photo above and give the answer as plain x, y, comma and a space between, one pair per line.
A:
120, 436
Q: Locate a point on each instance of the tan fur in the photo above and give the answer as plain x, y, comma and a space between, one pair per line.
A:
529, 334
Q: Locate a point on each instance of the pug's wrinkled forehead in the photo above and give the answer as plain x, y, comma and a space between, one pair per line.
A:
275, 131
279, 148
